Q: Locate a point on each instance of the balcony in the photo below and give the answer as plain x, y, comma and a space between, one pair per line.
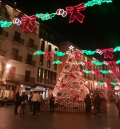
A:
4, 15
2, 53
20, 78
17, 58
31, 62
4, 33
32, 46
19, 40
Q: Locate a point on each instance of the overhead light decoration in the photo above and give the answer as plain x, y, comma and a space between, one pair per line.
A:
61, 12
68, 52
97, 2
97, 63
46, 16
57, 62
17, 21
39, 53
88, 52
27, 23
5, 23
59, 53
99, 51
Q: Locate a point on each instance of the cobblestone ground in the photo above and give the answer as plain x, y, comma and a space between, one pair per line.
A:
47, 120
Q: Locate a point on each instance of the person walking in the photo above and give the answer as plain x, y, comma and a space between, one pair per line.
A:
23, 103
52, 103
34, 101
30, 103
97, 103
39, 102
118, 105
17, 102
87, 102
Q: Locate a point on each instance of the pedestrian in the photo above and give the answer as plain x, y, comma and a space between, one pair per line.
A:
17, 102
23, 103
39, 102
88, 104
97, 103
52, 103
34, 101
118, 105
30, 103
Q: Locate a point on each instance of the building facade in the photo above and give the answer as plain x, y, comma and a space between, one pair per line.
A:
16, 49
28, 71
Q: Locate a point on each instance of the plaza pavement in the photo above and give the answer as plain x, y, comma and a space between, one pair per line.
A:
47, 120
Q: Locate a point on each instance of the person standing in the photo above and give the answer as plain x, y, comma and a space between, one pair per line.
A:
23, 103
118, 105
17, 102
39, 102
97, 103
88, 104
30, 103
52, 103
34, 101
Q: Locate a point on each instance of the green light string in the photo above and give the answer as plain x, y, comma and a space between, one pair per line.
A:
113, 83
86, 71
57, 62
116, 49
59, 53
104, 72
38, 53
46, 16
5, 23
98, 2
100, 83
97, 63
117, 62
88, 52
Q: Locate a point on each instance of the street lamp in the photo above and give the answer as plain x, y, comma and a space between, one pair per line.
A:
8, 66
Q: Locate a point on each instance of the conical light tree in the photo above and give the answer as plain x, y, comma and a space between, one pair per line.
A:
70, 88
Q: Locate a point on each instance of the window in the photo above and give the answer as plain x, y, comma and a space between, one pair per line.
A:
29, 59
17, 36
40, 75
15, 53
55, 55
54, 78
31, 42
46, 75
42, 49
55, 66
27, 76
48, 61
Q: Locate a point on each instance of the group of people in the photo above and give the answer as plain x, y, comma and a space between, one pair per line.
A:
96, 103
34, 102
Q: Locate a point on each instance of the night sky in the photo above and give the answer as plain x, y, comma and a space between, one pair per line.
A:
100, 28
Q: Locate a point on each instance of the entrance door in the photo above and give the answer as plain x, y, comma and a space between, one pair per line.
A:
27, 76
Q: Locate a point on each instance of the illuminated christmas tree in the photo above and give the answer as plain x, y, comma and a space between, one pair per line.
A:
70, 88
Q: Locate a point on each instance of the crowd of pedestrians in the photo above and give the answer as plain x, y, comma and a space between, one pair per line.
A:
34, 103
